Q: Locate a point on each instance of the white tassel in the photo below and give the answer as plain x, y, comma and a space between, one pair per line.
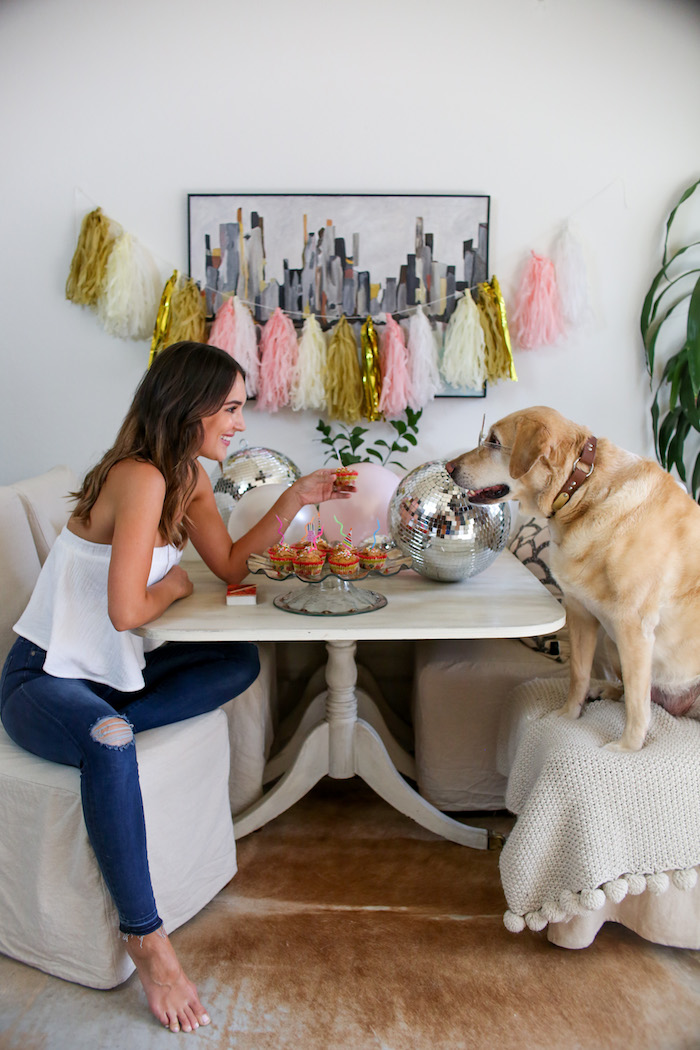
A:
423, 370
245, 346
570, 269
309, 382
464, 353
128, 304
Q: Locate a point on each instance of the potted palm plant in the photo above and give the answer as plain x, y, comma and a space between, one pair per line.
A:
671, 316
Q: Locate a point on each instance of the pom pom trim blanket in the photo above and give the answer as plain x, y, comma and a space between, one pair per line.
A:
593, 825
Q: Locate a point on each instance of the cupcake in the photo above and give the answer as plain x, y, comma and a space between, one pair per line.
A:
372, 557
308, 563
345, 478
281, 557
343, 561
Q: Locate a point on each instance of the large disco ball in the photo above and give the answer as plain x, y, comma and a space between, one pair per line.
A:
247, 468
446, 536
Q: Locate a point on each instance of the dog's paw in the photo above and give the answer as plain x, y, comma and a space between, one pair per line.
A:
570, 712
607, 691
621, 747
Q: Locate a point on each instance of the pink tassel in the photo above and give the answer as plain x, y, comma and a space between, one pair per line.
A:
223, 330
536, 319
393, 362
279, 353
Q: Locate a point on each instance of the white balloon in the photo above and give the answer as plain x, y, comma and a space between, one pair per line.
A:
366, 510
255, 503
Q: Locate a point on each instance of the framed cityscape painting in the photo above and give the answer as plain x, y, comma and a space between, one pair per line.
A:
356, 255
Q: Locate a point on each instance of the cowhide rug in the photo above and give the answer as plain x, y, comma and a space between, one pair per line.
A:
348, 927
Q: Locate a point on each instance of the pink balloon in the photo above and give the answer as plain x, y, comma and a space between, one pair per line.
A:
375, 486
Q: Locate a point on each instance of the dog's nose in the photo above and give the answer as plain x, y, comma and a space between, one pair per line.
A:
449, 466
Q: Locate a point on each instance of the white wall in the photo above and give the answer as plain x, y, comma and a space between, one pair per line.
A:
560, 109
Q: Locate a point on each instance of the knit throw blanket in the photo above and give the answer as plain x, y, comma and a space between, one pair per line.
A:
593, 824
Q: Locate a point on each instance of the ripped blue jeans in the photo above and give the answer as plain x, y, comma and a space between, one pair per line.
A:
89, 725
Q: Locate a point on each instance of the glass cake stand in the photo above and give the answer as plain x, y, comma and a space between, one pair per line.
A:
330, 594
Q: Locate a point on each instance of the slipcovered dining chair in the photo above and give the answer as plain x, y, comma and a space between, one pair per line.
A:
55, 912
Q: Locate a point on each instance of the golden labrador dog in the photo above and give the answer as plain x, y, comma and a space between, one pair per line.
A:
625, 549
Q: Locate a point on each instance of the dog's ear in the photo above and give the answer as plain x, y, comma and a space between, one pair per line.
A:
532, 440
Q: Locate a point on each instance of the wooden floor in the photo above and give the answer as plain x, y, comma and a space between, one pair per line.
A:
348, 927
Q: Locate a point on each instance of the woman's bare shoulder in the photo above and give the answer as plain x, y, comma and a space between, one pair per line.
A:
130, 473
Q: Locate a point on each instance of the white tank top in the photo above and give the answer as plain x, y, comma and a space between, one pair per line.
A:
67, 615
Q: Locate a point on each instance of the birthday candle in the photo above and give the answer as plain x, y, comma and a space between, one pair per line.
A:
374, 537
280, 530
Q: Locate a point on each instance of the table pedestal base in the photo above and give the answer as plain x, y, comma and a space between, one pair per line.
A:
344, 745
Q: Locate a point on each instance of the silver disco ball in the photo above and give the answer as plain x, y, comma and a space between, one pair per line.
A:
249, 467
446, 536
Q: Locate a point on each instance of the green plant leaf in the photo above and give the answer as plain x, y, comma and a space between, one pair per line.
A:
672, 284
666, 431
676, 445
409, 437
693, 341
684, 197
645, 321
675, 377
655, 423
689, 398
651, 347
695, 482
398, 425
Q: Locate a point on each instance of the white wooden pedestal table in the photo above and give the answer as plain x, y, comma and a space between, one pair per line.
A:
344, 733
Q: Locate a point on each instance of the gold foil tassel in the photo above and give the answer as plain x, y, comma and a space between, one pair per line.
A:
343, 376
87, 269
188, 316
371, 375
162, 325
492, 314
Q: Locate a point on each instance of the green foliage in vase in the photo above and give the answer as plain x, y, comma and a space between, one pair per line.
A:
349, 445
675, 411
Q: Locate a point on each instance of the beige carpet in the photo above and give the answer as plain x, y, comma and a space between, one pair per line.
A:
350, 928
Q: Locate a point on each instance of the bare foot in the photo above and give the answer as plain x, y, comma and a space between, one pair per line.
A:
171, 996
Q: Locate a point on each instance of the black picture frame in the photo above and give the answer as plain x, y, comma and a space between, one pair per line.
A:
333, 253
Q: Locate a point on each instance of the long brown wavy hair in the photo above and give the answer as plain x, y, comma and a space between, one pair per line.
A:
186, 382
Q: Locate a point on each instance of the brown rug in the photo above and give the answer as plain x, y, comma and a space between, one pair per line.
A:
348, 927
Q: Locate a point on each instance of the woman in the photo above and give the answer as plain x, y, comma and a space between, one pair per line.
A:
78, 684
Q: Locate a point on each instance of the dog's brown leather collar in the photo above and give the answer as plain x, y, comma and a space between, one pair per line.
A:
578, 475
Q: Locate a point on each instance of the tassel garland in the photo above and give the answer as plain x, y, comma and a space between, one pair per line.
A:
464, 352
308, 384
128, 301
536, 317
343, 376
113, 273
570, 269
245, 348
492, 314
161, 330
279, 354
223, 329
396, 391
87, 268
423, 373
188, 313
371, 371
